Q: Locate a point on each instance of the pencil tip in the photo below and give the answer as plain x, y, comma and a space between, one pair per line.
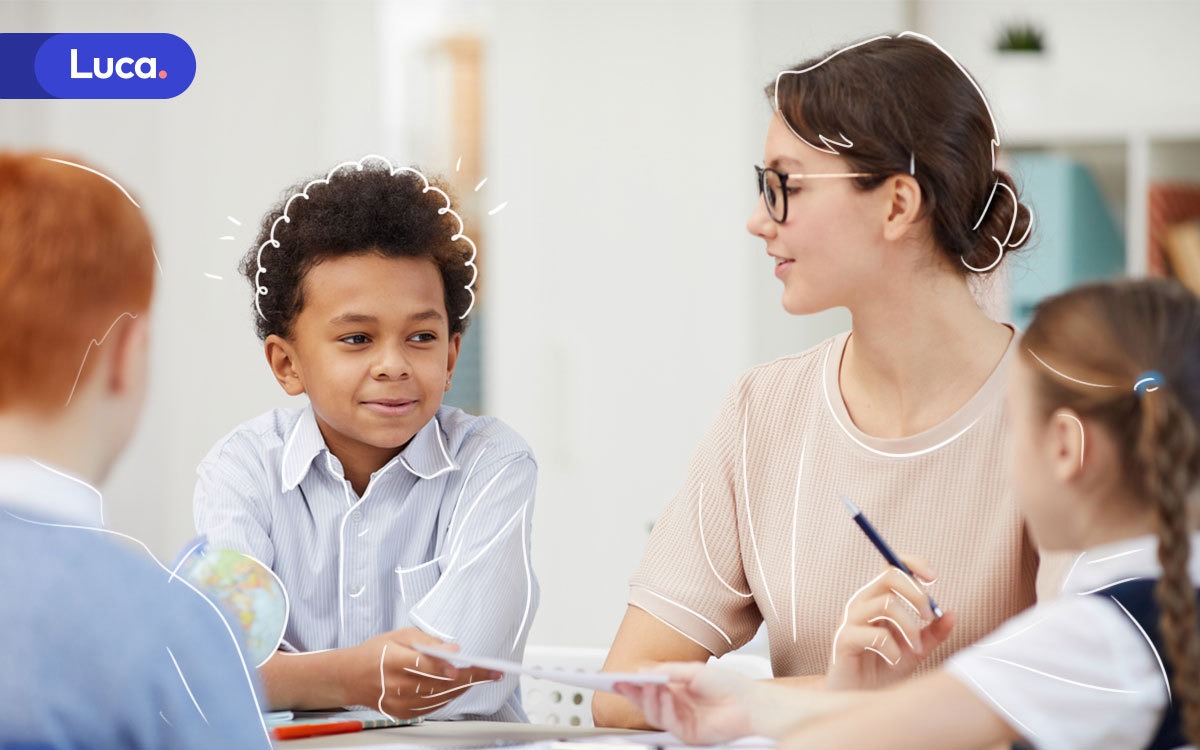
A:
851, 508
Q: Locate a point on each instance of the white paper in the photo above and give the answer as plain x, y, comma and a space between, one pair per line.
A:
602, 681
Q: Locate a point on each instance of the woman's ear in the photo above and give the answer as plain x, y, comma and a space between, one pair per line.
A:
902, 194
281, 356
1066, 445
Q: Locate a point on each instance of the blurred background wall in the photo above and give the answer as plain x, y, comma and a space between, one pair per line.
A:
621, 294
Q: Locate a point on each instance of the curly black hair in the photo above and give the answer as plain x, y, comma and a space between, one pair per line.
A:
359, 210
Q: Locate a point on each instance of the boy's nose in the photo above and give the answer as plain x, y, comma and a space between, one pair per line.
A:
392, 364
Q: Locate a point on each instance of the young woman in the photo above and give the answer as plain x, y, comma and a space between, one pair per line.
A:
1105, 413
880, 193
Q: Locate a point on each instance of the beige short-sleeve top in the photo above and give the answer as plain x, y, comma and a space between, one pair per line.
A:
757, 533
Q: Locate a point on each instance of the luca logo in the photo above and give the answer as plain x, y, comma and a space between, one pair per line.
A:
95, 66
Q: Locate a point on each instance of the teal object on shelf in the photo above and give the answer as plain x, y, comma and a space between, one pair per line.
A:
1076, 238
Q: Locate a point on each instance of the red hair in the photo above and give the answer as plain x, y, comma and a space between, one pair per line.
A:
75, 254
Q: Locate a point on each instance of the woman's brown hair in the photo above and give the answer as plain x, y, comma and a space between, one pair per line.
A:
1133, 350
901, 105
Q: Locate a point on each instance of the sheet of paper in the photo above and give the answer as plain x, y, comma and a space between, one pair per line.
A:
602, 681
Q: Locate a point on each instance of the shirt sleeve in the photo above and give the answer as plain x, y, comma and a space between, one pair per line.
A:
691, 576
230, 505
209, 696
1072, 673
486, 595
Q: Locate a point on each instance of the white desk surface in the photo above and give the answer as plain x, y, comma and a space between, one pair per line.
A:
450, 734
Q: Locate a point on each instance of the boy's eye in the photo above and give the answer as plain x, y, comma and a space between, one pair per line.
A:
424, 338
356, 338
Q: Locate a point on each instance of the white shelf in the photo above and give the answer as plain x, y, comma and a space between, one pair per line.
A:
1124, 162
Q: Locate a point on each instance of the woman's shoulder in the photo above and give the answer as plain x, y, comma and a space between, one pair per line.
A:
791, 373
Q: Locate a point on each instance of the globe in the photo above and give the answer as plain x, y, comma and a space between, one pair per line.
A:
249, 592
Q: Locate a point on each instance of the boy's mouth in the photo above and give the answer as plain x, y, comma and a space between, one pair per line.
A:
391, 407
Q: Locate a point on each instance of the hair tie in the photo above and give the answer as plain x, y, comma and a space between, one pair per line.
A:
1148, 382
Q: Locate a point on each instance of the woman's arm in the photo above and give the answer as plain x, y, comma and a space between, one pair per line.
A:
642, 640
933, 711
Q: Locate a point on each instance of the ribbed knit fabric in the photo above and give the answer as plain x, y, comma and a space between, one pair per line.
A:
758, 533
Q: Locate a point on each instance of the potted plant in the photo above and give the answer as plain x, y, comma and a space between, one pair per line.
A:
1021, 65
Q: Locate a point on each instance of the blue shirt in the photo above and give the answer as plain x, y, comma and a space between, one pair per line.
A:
439, 539
100, 646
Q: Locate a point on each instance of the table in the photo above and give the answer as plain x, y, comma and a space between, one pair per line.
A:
451, 734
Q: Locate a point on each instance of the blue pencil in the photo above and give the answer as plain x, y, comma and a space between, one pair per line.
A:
882, 546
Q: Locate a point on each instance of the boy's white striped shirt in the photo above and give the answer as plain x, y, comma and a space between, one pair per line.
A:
357, 567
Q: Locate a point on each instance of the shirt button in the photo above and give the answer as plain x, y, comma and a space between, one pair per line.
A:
356, 515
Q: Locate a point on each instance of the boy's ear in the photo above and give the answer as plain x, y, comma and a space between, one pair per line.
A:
281, 356
128, 354
452, 357
1067, 445
903, 207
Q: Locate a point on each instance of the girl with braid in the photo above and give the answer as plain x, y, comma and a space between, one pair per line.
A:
1105, 410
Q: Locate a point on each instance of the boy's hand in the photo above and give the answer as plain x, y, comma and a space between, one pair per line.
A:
887, 630
386, 673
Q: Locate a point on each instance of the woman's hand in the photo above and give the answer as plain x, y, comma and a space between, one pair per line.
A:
701, 705
887, 630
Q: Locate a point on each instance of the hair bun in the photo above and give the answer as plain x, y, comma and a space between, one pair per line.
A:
1004, 223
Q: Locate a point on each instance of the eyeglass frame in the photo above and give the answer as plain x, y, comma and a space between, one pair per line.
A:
783, 178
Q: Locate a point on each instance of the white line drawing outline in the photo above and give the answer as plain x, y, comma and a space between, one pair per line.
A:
234, 221
1057, 678
214, 276
864, 446
1067, 577
418, 672
528, 580
497, 209
94, 343
520, 514
118, 185
260, 290
831, 145
287, 600
795, 514
1062, 374
1000, 706
137, 542
1161, 667
96, 492
1114, 557
164, 718
1110, 585
429, 628
762, 574
885, 618
186, 686
481, 183
1082, 436
227, 238
383, 685
846, 610
704, 546
458, 164
693, 612
1149, 389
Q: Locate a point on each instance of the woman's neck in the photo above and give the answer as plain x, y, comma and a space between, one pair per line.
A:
918, 352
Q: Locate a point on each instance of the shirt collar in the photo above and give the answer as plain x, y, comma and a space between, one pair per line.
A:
425, 456
37, 488
1099, 567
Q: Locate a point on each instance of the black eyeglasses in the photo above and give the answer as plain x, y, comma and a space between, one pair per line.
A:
772, 186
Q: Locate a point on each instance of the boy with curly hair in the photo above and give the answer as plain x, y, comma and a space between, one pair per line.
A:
392, 519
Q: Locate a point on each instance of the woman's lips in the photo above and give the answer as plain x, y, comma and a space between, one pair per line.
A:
782, 266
